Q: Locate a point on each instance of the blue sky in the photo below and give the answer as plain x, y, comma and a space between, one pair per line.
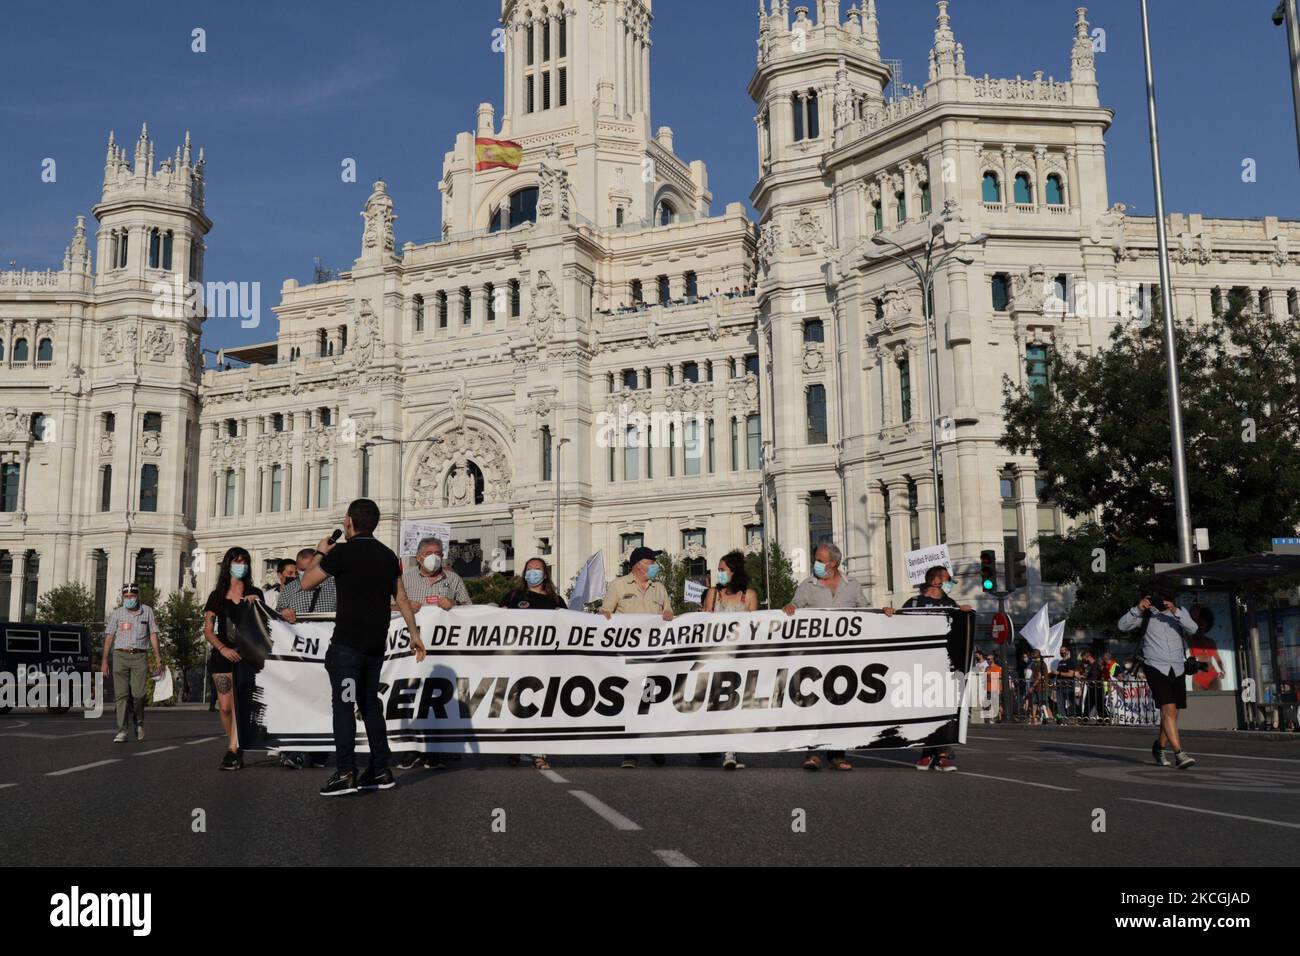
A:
286, 90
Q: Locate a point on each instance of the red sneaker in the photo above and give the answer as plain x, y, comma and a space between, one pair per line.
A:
946, 763
925, 763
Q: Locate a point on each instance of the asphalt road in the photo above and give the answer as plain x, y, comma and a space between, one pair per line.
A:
1023, 795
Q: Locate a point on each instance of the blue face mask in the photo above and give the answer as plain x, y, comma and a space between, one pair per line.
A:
131, 603
239, 571
533, 577
652, 572
724, 578
819, 569
947, 586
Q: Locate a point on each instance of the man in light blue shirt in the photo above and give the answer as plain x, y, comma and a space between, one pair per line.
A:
1164, 649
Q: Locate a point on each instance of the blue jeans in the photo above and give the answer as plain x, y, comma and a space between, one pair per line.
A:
346, 664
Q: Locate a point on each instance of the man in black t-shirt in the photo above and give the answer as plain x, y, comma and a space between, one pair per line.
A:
367, 577
934, 593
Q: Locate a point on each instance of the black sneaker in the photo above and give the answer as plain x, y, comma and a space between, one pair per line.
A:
232, 761
409, 761
340, 783
293, 761
658, 759
433, 762
369, 780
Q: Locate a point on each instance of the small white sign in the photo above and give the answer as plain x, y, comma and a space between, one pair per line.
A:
695, 592
919, 561
413, 532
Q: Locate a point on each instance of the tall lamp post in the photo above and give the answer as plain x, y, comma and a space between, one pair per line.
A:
1285, 14
925, 270
1182, 510
559, 448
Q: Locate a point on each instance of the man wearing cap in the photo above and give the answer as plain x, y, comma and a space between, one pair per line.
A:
638, 592
128, 634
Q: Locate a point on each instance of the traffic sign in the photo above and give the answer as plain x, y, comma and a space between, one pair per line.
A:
1001, 628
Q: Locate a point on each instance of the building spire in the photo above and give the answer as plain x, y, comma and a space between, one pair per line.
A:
871, 29
943, 56
1083, 60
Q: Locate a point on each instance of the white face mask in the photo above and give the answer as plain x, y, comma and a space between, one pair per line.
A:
432, 563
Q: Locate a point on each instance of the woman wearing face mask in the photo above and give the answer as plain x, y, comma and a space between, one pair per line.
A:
535, 592
732, 594
233, 587
934, 593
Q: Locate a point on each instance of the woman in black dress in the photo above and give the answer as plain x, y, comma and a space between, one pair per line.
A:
534, 592
233, 587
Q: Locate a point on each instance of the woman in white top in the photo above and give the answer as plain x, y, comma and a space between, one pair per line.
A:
731, 594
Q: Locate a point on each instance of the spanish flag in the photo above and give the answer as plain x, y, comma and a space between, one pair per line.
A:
497, 153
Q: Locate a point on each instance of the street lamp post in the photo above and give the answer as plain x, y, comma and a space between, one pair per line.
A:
559, 447
1285, 14
925, 272
1182, 515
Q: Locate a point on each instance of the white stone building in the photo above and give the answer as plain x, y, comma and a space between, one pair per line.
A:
457, 380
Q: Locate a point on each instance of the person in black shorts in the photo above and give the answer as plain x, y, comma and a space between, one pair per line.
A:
367, 578
233, 588
534, 592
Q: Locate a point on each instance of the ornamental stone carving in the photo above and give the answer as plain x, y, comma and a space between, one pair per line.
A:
545, 311
11, 426
366, 348
807, 233
227, 453
158, 344
742, 393
377, 236
110, 346
443, 477
689, 397
813, 358
318, 443
151, 445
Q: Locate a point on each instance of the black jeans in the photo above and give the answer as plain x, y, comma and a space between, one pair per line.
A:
346, 664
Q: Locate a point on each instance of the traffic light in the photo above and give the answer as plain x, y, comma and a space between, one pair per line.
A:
988, 571
1017, 577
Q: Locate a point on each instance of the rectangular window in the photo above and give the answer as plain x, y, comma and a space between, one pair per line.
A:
277, 481
630, 542
692, 452
229, 494
712, 468
9, 475
814, 331
149, 488
631, 455
815, 401
466, 304
514, 298
106, 488
546, 452
1036, 368
562, 90
490, 297
323, 485
1010, 514
820, 526
563, 24
905, 389
530, 97
1001, 292
753, 442
546, 90
442, 310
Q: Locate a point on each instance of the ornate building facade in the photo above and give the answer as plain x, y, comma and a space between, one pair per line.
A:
588, 358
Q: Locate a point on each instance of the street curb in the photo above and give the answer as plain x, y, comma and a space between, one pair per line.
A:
1241, 736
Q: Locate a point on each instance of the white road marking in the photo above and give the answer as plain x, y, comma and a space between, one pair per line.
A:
204, 740
1217, 813
552, 776
84, 766
3, 785
967, 773
982, 737
675, 858
1147, 750
145, 753
605, 811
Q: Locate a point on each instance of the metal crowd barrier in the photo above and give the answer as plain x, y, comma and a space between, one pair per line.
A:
1122, 701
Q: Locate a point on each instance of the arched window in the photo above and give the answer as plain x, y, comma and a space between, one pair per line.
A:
419, 313
1024, 188
522, 208
925, 199
155, 248
992, 188
167, 243
45, 350
122, 244
666, 213
1055, 191
149, 488
20, 351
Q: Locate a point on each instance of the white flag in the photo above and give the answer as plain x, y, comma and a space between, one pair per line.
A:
1037, 631
590, 585
1055, 636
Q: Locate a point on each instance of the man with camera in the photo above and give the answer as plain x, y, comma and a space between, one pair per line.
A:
1164, 627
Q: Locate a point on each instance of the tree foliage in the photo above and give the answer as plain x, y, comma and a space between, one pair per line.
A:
70, 603
1101, 435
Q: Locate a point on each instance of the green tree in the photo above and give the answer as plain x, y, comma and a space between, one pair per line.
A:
782, 576
70, 603
1100, 433
180, 634
489, 589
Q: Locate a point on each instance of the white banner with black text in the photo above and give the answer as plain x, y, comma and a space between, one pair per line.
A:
564, 682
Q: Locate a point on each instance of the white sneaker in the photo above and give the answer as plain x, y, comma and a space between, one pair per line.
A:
139, 733
120, 738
